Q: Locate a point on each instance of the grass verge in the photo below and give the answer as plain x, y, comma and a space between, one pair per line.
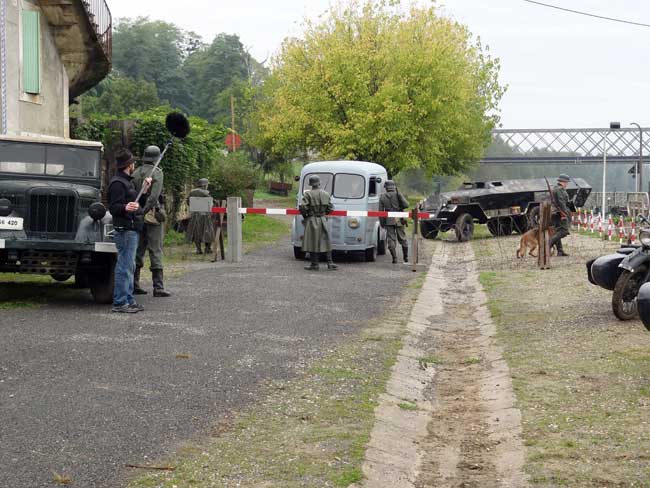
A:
580, 376
309, 431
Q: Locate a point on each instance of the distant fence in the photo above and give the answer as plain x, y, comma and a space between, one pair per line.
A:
619, 202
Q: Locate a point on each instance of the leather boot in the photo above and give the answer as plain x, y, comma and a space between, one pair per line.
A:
330, 262
313, 257
137, 290
394, 254
208, 248
198, 248
158, 286
560, 250
405, 252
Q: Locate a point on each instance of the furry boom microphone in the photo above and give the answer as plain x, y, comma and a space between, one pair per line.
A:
179, 127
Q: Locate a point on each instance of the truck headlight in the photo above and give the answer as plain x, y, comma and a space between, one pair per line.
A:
644, 237
5, 207
97, 211
353, 223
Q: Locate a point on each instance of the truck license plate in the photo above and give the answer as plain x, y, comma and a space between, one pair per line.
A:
11, 223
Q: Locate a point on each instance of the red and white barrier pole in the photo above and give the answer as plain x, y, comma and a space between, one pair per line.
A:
633, 233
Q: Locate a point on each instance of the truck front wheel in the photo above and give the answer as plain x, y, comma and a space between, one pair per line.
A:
101, 283
464, 227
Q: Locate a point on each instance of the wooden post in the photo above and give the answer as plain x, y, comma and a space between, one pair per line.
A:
234, 230
543, 248
414, 241
218, 237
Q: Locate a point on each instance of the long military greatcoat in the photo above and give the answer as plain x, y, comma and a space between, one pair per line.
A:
392, 201
314, 206
201, 226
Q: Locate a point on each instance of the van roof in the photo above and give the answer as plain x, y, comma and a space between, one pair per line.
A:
362, 167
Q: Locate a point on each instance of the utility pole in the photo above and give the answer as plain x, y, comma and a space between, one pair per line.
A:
639, 167
232, 121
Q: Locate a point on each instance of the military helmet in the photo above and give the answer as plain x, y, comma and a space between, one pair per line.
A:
151, 154
203, 182
563, 177
390, 184
314, 180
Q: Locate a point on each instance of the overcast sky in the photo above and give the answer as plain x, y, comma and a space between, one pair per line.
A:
562, 69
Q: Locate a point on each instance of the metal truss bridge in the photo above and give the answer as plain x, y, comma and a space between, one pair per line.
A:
568, 146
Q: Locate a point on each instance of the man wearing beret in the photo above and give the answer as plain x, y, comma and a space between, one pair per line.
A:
127, 222
560, 213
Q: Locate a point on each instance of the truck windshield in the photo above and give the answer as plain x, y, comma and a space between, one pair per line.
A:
51, 160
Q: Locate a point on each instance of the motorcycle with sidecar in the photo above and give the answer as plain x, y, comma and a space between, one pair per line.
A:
626, 273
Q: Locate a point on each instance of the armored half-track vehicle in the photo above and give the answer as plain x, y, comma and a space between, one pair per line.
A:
505, 206
52, 221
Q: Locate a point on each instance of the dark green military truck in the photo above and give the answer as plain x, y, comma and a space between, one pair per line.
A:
52, 221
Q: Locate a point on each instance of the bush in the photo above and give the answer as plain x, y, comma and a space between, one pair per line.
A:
234, 175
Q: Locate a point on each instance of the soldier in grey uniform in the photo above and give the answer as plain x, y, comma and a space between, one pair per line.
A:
201, 227
152, 234
560, 213
315, 205
394, 201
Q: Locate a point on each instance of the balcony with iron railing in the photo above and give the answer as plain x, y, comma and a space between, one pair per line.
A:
82, 31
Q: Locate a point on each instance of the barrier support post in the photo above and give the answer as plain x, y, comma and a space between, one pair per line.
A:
234, 230
414, 240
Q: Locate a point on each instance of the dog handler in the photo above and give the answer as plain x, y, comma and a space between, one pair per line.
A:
561, 213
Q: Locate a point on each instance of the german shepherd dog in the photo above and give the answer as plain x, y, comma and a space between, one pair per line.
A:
529, 240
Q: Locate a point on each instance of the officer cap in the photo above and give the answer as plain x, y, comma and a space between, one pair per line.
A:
151, 154
563, 177
203, 182
390, 184
314, 180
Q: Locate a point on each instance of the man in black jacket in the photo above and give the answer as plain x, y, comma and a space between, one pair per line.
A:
128, 222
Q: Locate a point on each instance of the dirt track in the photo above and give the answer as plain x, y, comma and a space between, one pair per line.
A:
472, 433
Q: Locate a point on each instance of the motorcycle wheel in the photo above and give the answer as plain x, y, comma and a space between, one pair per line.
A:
626, 291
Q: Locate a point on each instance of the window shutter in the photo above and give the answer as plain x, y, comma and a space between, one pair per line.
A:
31, 52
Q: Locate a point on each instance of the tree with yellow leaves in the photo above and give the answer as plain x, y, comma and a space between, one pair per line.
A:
405, 88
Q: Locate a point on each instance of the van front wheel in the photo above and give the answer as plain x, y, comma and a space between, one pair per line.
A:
371, 254
298, 253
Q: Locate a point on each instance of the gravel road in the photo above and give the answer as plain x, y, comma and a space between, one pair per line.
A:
84, 392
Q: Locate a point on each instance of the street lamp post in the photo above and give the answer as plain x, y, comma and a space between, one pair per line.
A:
612, 126
639, 167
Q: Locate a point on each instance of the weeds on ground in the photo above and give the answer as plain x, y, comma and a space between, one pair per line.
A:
580, 376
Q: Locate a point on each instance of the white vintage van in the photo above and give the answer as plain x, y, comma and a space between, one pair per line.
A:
354, 186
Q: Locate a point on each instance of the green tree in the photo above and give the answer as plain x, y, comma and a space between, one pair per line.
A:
155, 51
370, 82
118, 96
217, 71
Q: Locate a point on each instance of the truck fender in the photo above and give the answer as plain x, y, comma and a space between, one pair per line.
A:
89, 230
633, 261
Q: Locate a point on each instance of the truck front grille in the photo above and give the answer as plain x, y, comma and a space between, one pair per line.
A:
52, 214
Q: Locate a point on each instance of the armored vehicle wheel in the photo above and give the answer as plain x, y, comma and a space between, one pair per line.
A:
298, 253
520, 224
381, 244
101, 283
428, 230
61, 277
371, 254
533, 218
626, 291
464, 227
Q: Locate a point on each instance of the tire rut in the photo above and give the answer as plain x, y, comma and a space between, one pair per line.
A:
474, 436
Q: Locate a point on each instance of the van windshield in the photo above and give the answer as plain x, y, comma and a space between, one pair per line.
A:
325, 181
349, 186
42, 159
